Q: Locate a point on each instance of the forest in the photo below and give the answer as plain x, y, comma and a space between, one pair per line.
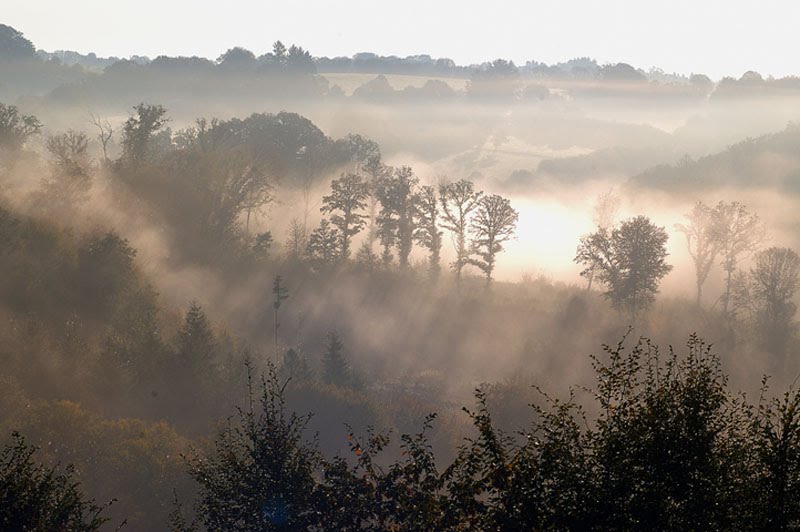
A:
236, 295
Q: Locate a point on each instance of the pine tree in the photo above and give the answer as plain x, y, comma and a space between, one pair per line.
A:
335, 368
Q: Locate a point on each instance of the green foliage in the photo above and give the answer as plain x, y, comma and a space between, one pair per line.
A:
260, 474
37, 498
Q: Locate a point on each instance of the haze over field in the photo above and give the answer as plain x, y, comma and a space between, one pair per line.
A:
204, 229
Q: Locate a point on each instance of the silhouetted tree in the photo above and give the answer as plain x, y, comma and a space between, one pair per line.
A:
396, 193
70, 180
702, 240
296, 367
280, 294
196, 346
139, 130
260, 474
629, 261
458, 201
348, 197
335, 368
16, 128
767, 291
493, 225
324, 244
426, 231
739, 234
605, 213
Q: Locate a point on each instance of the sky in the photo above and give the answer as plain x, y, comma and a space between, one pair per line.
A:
714, 37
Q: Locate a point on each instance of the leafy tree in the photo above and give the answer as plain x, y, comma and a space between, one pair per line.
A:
71, 177
426, 231
348, 197
376, 171
702, 234
493, 225
458, 201
196, 345
767, 292
629, 261
16, 128
335, 368
605, 213
396, 194
739, 233
14, 46
260, 474
138, 133
38, 498
324, 244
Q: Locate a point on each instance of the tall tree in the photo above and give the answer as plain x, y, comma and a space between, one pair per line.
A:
702, 241
396, 193
197, 345
427, 231
606, 208
335, 368
280, 294
630, 261
739, 234
324, 244
348, 197
70, 179
458, 201
767, 291
493, 225
138, 132
16, 128
375, 171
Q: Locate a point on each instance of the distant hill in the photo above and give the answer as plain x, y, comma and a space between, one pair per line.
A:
770, 160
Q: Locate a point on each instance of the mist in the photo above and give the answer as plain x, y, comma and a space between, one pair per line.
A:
180, 232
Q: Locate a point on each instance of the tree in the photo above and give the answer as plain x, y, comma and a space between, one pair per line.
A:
396, 194
281, 294
630, 261
348, 197
196, 346
260, 473
14, 46
458, 201
138, 132
427, 232
324, 244
295, 366
35, 497
104, 134
335, 368
767, 291
16, 128
376, 171
71, 178
605, 213
702, 241
493, 225
738, 235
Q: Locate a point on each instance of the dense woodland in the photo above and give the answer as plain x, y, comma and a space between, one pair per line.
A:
249, 323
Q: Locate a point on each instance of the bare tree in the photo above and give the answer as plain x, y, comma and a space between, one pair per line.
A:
494, 224
104, 133
458, 201
702, 241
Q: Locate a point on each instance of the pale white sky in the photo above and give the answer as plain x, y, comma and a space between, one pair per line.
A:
716, 37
